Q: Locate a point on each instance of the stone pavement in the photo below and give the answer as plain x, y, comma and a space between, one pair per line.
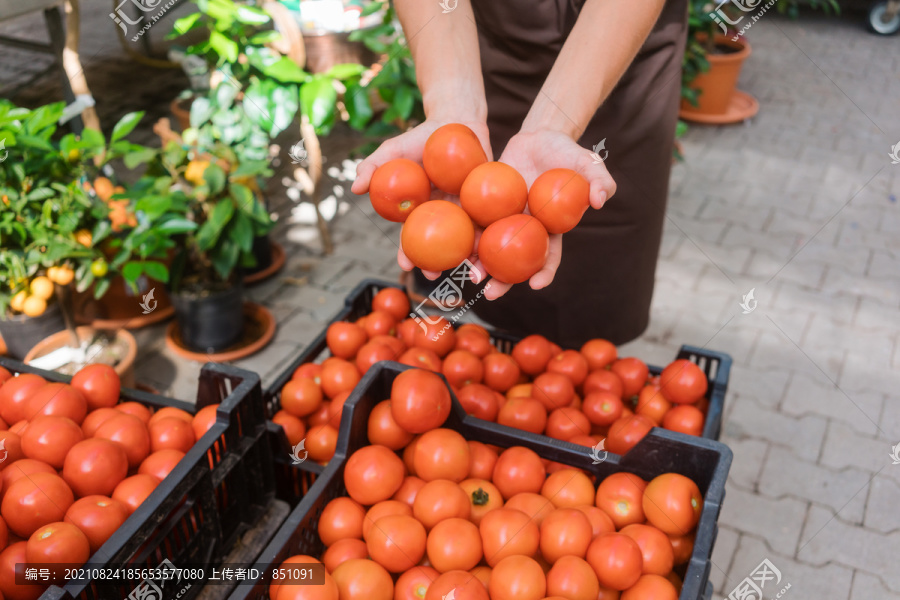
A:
799, 205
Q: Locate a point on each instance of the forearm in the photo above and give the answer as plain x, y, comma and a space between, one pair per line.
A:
601, 46
444, 47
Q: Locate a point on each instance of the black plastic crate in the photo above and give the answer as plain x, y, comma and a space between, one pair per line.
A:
704, 461
198, 513
716, 365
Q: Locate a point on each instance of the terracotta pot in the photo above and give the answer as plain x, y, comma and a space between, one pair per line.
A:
120, 307
181, 108
717, 85
125, 366
20, 333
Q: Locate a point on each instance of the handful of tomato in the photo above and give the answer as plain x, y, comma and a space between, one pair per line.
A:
438, 234
585, 396
76, 462
432, 516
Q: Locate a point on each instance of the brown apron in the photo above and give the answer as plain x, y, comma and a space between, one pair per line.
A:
604, 285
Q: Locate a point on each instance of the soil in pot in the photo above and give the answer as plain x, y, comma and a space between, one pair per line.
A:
209, 319
116, 348
21, 333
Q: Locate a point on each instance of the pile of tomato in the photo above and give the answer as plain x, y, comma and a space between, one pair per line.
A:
76, 462
429, 515
585, 396
440, 234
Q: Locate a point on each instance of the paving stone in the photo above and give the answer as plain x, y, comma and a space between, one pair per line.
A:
869, 373
766, 386
301, 328
747, 461
722, 555
750, 419
881, 509
777, 521
845, 447
867, 586
817, 396
322, 304
269, 361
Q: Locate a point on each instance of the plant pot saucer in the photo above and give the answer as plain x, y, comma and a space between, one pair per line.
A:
138, 321
259, 328
278, 258
741, 107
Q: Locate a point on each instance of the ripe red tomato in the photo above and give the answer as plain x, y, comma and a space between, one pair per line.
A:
437, 236
514, 248
310, 371
479, 401
501, 371
565, 532
604, 381
20, 468
685, 418
683, 547
572, 578
420, 400
517, 578
338, 376
651, 587
49, 438
345, 339
413, 585
476, 343
483, 497
363, 579
371, 353
392, 301
570, 363
12, 563
409, 489
132, 491
421, 358
15, 392
321, 442
568, 488
453, 544
170, 411
160, 464
672, 503
532, 353
4, 375
205, 419
621, 496
558, 198
34, 501
683, 382
380, 323
12, 443
602, 408
522, 413
95, 466
383, 509
132, 435
397, 187
383, 429
302, 590
98, 517
57, 399
442, 454
397, 542
656, 548
600, 521
633, 372
301, 396
450, 154
626, 432
599, 353
507, 532
537, 507
616, 559
553, 390
373, 474
482, 459
172, 433
58, 543
95, 418
99, 384
341, 518
134, 408
492, 191
438, 500
463, 585
342, 551
567, 422
518, 469
461, 367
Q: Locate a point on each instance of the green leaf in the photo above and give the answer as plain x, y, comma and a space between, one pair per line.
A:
176, 226
100, 287
242, 232
371, 8
221, 214
358, 106
226, 49
132, 270
252, 16
264, 37
214, 176
153, 206
317, 101
201, 111
225, 93
285, 70
226, 259
135, 158
156, 270
184, 24
126, 125
346, 71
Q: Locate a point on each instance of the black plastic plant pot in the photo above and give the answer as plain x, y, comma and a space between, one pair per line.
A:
21, 333
209, 321
262, 252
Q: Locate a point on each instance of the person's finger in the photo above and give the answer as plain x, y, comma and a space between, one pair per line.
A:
603, 187
403, 260
364, 172
545, 276
494, 289
406, 145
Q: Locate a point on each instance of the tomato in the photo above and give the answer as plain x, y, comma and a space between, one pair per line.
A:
518, 469
406, 330
454, 544
532, 353
651, 587
204, 420
160, 464
675, 580
492, 191
683, 382
520, 390
483, 497
397, 542
341, 518
409, 489
672, 503
134, 408
570, 363
321, 442
382, 509
441, 499
133, 490
170, 433
450, 154
684, 418
483, 573
49, 438
474, 342
4, 375
463, 585
633, 372
413, 585
506, 532
621, 496
373, 474
303, 591
442, 454
437, 236
514, 248
363, 579
567, 422
600, 521
501, 371
565, 531
371, 353
20, 468
12, 443
537, 507
294, 429
392, 301
558, 198
652, 404
95, 466
345, 339
57, 399
568, 488
437, 335
100, 385
461, 367
310, 371
170, 411
15, 392
656, 549
338, 376
12, 562
604, 381
526, 414
4, 530
58, 543
517, 578
616, 559
420, 401
336, 409
571, 577
553, 390
98, 517
34, 501
683, 547
599, 353
602, 408
421, 358
626, 432
380, 323
131, 434
397, 187
383, 429
342, 551
321, 416
481, 460
95, 418
479, 401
